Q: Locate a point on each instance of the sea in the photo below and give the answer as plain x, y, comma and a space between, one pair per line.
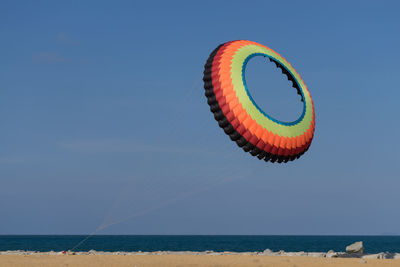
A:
217, 243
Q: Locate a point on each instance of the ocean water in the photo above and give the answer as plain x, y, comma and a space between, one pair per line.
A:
241, 243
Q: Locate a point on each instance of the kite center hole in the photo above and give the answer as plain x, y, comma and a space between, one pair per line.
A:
272, 91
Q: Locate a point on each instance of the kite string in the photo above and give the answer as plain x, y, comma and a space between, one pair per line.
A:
125, 188
177, 120
168, 202
86, 238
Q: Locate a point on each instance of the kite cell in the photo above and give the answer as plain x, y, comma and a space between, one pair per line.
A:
237, 112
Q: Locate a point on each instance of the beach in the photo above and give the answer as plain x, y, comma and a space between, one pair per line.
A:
191, 258
242, 260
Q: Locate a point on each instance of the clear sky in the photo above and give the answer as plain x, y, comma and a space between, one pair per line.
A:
104, 121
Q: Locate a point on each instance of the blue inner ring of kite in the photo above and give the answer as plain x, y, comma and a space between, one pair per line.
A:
254, 103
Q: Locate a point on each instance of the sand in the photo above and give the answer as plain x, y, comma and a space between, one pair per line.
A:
185, 261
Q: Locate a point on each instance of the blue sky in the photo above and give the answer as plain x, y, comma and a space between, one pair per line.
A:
104, 122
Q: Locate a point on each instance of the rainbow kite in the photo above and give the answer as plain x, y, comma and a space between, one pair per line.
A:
238, 114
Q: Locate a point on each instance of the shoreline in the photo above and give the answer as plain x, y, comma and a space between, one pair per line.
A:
267, 252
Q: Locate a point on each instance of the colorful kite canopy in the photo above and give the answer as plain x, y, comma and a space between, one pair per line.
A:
238, 114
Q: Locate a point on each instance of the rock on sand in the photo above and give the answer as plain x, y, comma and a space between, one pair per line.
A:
355, 248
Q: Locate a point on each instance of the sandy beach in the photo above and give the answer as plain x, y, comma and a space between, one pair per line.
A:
185, 260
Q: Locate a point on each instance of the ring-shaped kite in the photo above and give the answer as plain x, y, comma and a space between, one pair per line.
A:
238, 114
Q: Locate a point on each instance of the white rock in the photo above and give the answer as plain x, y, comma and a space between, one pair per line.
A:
356, 247
268, 252
373, 256
331, 254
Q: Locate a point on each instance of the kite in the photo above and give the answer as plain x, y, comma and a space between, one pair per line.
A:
237, 112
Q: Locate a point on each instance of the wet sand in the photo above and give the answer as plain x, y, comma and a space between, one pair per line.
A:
185, 260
